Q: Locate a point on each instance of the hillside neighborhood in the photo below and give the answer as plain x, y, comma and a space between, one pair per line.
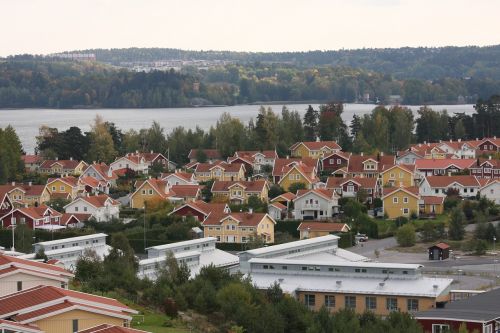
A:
303, 221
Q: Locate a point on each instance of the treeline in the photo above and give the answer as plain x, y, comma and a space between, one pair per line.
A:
383, 130
41, 82
407, 62
229, 302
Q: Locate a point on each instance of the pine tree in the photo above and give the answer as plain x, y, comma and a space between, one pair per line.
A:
311, 124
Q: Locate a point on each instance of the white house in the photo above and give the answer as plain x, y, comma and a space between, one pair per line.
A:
491, 190
196, 253
463, 150
466, 185
102, 172
101, 207
136, 163
179, 178
315, 204
68, 250
277, 210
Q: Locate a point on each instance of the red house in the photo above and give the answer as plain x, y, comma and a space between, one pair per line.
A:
349, 186
486, 168
41, 217
489, 144
335, 161
201, 210
5, 202
479, 313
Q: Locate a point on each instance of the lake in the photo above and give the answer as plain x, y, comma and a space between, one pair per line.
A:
27, 121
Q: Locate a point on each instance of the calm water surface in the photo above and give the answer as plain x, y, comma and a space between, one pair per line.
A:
27, 121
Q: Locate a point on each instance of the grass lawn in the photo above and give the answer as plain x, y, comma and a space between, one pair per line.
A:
154, 322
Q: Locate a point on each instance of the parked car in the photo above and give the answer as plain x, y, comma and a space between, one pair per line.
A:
361, 238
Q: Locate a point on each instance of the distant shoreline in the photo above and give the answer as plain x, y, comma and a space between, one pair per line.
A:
81, 107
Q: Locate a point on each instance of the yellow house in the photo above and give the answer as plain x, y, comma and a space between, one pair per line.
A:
149, 190
239, 227
314, 149
398, 175
61, 167
432, 205
401, 201
68, 185
298, 173
57, 310
220, 171
240, 191
22, 195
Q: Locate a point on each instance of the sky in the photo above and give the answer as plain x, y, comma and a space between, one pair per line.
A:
48, 26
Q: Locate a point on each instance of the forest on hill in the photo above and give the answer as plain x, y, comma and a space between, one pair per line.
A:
402, 63
43, 82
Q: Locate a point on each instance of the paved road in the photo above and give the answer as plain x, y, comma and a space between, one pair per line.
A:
472, 227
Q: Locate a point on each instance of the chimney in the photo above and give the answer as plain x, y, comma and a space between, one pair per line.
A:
30, 183
250, 210
425, 142
459, 140
57, 158
338, 282
362, 154
13, 183
489, 157
381, 153
151, 151
317, 139
137, 152
287, 157
477, 139
420, 145
71, 158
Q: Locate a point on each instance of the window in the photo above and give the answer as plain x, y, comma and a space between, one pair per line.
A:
395, 200
329, 301
350, 302
371, 303
144, 192
391, 304
85, 208
218, 238
19, 285
150, 192
75, 325
440, 328
331, 161
63, 285
406, 211
392, 175
291, 177
61, 188
412, 304
401, 175
339, 161
284, 267
350, 188
297, 177
488, 328
243, 239
405, 200
53, 188
76, 208
310, 300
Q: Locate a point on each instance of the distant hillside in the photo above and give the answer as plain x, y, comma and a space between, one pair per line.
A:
402, 63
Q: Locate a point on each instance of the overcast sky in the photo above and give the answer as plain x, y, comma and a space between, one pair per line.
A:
46, 26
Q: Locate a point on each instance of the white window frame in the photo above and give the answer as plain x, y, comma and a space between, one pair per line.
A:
439, 328
395, 200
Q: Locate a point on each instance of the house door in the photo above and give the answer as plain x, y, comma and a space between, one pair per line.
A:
230, 239
315, 214
435, 254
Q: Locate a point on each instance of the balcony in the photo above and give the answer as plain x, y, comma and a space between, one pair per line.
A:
311, 206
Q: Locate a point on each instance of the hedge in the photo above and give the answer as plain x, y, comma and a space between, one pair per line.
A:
288, 227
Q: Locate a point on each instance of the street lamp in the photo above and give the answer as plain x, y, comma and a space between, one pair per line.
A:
13, 226
144, 225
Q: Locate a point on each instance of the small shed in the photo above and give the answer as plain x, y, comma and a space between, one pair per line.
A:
440, 251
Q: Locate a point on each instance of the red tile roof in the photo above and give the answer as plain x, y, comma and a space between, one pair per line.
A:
69, 218
186, 191
323, 192
442, 246
107, 328
355, 164
227, 167
20, 302
210, 153
182, 175
278, 205
8, 326
432, 200
427, 164
445, 181
99, 201
103, 170
364, 182
323, 226
29, 190
66, 164
161, 186
287, 196
281, 165
31, 159
38, 212
70, 180
16, 263
204, 207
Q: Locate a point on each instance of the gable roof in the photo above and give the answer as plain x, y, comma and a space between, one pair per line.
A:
158, 185
356, 162
66, 164
227, 167
323, 226
97, 201
412, 190
432, 200
12, 326
186, 176
29, 190
364, 182
308, 172
186, 191
43, 301
341, 154
204, 207
445, 181
287, 196
244, 219
444, 163
317, 145
282, 165
36, 213
69, 180
11, 264
31, 159
249, 186
103, 170
322, 192
107, 328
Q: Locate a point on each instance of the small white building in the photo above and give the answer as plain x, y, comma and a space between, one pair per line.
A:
101, 207
277, 210
315, 204
467, 186
68, 250
491, 191
196, 253
136, 163
179, 178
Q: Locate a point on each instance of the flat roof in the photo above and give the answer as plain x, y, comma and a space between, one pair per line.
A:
291, 245
183, 243
176, 255
71, 239
279, 261
291, 283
